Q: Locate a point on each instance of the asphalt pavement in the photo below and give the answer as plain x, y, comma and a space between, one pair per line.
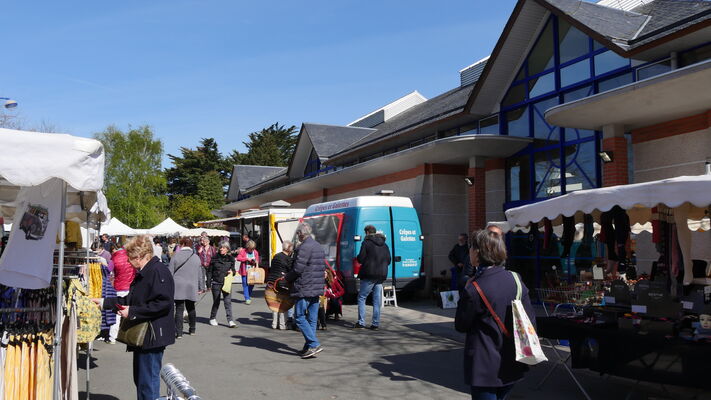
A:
415, 355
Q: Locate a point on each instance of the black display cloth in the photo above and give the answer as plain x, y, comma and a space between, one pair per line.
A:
646, 357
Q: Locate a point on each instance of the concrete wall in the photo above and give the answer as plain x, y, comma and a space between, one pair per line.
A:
495, 195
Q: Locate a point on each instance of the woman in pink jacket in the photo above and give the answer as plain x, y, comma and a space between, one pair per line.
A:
247, 257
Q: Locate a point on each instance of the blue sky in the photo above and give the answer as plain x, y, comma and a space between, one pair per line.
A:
222, 69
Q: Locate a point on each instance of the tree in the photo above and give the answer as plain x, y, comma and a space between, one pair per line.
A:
134, 183
271, 146
191, 167
210, 190
186, 210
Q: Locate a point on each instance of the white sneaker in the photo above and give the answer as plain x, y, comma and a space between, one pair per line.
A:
213, 322
232, 324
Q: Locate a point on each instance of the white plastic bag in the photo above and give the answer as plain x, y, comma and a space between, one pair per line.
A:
450, 298
528, 347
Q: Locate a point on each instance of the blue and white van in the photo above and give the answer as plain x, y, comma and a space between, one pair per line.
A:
339, 227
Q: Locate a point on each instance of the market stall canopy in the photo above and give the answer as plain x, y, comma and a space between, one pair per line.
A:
167, 227
32, 158
117, 228
198, 231
690, 194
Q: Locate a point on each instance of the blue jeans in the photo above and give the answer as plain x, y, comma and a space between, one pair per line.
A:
490, 393
146, 373
307, 324
367, 286
246, 289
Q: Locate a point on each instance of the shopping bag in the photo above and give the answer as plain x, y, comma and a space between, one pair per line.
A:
450, 298
528, 347
227, 285
255, 275
277, 300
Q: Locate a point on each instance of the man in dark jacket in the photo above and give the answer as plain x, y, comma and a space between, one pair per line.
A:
374, 258
308, 278
459, 257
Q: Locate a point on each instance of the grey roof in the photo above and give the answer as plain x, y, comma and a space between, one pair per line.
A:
615, 24
641, 25
331, 139
250, 175
669, 16
436, 108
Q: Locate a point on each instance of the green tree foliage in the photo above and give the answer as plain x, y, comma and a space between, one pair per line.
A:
193, 165
134, 183
187, 210
271, 146
210, 190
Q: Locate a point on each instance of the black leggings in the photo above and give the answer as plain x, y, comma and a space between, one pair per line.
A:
179, 306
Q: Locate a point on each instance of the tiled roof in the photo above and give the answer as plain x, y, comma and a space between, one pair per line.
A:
331, 139
250, 175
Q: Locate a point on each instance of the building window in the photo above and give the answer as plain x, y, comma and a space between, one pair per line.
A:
489, 125
519, 177
572, 43
695, 55
654, 69
541, 85
575, 73
544, 133
542, 57
518, 122
313, 165
609, 61
615, 82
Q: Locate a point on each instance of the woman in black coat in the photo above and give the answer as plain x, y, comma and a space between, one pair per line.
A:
222, 265
281, 265
150, 298
490, 366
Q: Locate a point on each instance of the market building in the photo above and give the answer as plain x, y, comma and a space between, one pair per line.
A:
575, 95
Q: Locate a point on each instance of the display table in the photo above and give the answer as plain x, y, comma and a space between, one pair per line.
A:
644, 357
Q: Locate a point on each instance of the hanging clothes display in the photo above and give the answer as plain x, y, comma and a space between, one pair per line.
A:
108, 317
70, 384
27, 261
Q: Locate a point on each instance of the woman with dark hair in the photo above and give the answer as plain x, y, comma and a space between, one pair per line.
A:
185, 267
490, 366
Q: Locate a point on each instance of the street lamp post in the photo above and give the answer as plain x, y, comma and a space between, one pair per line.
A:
9, 103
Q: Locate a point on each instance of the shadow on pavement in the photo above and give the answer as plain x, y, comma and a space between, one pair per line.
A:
81, 358
264, 344
443, 368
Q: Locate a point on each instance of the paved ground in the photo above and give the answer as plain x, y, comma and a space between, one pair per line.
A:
417, 355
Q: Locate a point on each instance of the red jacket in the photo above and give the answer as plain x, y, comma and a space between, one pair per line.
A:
242, 258
123, 270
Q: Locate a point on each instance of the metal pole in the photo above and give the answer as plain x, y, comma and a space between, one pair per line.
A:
91, 344
59, 283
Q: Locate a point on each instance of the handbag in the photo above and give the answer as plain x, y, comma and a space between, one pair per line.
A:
227, 285
277, 300
134, 334
255, 275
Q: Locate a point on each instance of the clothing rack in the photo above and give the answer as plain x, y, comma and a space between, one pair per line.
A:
25, 309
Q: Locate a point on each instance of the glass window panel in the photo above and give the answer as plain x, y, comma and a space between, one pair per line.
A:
541, 85
609, 61
541, 56
575, 73
547, 170
617, 81
517, 121
577, 94
654, 69
597, 45
518, 170
515, 95
544, 133
580, 166
572, 42
489, 125
449, 132
694, 56
469, 129
572, 134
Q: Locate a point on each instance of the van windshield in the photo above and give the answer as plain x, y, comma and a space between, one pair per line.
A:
325, 230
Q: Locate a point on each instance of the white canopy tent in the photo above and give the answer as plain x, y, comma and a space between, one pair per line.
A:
29, 159
117, 228
688, 196
166, 228
198, 231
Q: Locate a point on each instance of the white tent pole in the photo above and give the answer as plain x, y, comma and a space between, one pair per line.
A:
59, 284
90, 344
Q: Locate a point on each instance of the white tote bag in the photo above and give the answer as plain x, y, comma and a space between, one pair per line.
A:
528, 347
450, 298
